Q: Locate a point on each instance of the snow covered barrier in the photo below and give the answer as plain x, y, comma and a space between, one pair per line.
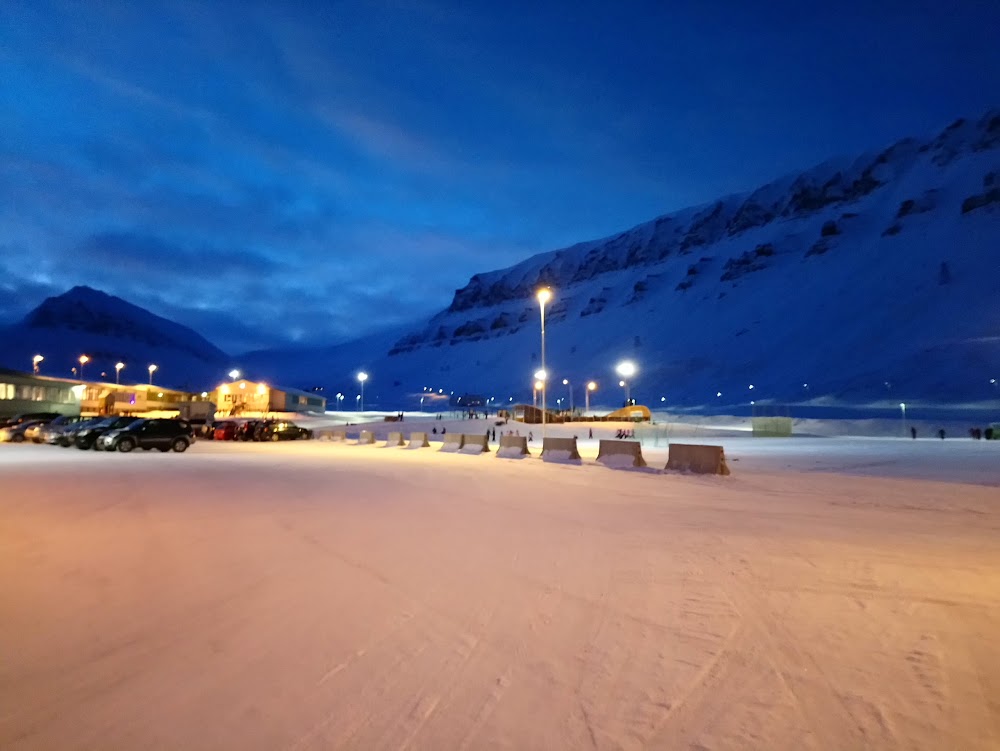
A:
560, 450
451, 442
394, 439
475, 444
418, 441
620, 454
513, 447
331, 434
689, 457
366, 437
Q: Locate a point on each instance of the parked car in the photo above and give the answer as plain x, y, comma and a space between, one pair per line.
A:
29, 417
161, 434
281, 430
51, 432
249, 431
226, 431
67, 437
15, 433
87, 437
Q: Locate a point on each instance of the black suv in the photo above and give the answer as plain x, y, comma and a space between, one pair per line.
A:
149, 434
86, 437
282, 430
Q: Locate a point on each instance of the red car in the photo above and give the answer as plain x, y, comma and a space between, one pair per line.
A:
225, 431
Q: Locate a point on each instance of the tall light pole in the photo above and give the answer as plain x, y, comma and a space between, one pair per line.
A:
543, 295
34, 363
362, 376
626, 369
902, 409
340, 398
591, 386
83, 361
569, 388
151, 369
536, 387
118, 370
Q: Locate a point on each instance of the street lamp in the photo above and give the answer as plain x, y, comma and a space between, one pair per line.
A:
83, 361
535, 388
118, 370
151, 369
626, 369
540, 378
902, 409
362, 376
340, 398
543, 295
234, 374
591, 386
34, 363
569, 388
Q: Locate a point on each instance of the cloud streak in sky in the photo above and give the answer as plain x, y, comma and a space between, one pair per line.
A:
307, 171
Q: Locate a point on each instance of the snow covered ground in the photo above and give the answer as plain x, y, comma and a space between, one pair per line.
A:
323, 595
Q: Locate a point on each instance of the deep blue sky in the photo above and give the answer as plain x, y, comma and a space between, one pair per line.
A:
296, 171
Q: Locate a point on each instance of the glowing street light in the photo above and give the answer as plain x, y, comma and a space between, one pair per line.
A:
535, 388
591, 386
543, 295
234, 374
362, 377
152, 369
569, 388
83, 361
340, 398
34, 363
626, 369
902, 409
118, 370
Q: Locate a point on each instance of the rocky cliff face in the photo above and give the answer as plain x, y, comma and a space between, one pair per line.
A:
842, 205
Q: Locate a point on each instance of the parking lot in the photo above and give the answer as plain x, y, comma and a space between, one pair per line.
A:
314, 595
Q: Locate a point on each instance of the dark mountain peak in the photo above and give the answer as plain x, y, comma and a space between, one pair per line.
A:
86, 310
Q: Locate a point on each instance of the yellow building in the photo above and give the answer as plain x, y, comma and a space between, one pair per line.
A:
141, 399
244, 397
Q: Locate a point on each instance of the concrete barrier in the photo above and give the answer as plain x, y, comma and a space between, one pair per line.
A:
513, 447
475, 444
418, 441
395, 439
451, 442
366, 437
560, 450
688, 457
331, 434
620, 454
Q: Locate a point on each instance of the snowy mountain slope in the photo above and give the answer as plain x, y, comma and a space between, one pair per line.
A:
854, 274
109, 330
875, 278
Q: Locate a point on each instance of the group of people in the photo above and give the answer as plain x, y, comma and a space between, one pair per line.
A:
625, 434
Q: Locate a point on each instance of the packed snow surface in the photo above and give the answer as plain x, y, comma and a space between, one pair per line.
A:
322, 595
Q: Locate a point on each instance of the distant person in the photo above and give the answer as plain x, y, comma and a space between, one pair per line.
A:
913, 432
434, 430
941, 434
591, 433
531, 437
444, 430
494, 434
